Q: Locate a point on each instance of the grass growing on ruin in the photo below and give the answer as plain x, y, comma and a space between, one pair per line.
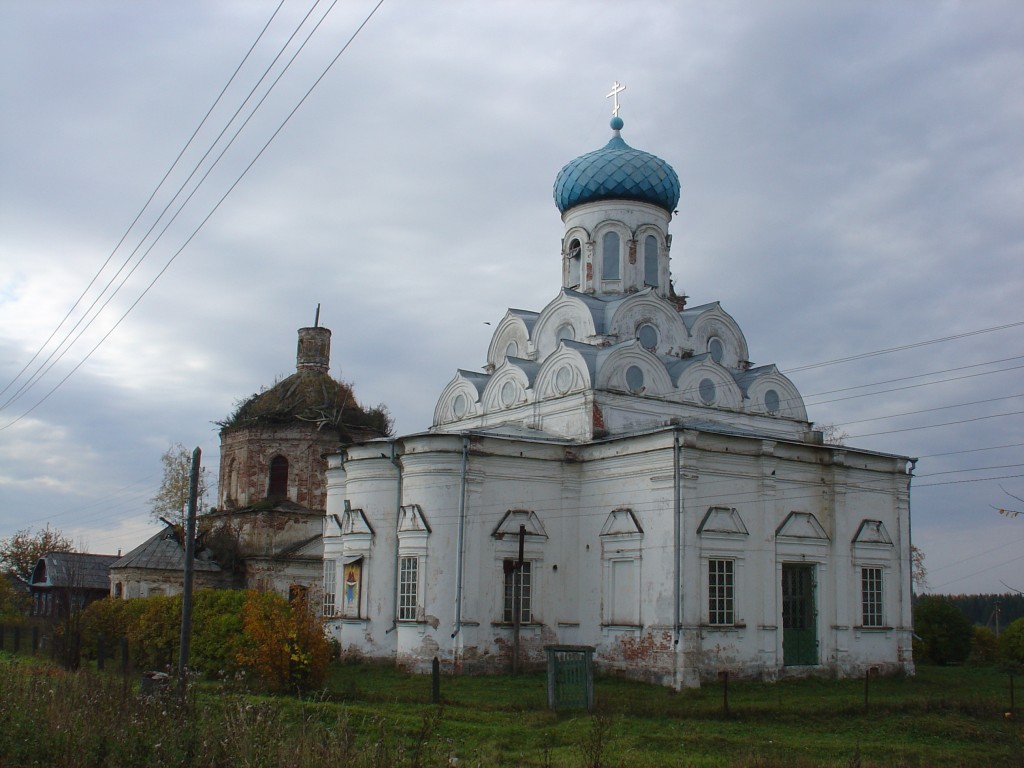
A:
378, 716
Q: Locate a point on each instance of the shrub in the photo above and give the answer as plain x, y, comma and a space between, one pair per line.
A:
216, 630
1011, 643
283, 643
945, 633
152, 626
106, 617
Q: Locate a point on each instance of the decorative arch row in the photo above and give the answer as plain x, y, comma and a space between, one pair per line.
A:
628, 368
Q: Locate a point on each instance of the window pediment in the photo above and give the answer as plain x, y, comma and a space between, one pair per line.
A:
353, 521
801, 525
622, 522
508, 527
722, 520
872, 532
412, 520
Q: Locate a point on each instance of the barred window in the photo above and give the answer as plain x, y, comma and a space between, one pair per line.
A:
721, 592
330, 586
871, 596
408, 583
518, 578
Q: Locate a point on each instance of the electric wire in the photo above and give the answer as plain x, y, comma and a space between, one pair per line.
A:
54, 357
204, 220
902, 348
139, 215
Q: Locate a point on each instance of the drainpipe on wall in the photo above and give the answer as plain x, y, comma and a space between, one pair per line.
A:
677, 504
462, 533
398, 511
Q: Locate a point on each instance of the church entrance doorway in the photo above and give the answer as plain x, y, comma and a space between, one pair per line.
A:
799, 616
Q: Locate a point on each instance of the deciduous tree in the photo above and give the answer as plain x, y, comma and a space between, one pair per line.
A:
918, 571
20, 553
1011, 643
945, 633
171, 501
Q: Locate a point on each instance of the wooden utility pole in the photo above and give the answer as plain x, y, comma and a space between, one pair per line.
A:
186, 586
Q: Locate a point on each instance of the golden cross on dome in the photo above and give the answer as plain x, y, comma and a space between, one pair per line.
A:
614, 95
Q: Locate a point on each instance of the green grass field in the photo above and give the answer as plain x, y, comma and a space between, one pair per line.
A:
378, 716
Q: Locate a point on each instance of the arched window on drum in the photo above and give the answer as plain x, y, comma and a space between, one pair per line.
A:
651, 261
575, 257
611, 257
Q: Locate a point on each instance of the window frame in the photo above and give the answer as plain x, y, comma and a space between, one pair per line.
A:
872, 596
330, 587
524, 576
721, 592
408, 587
609, 260
651, 263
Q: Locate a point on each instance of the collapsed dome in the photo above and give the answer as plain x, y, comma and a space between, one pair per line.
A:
617, 172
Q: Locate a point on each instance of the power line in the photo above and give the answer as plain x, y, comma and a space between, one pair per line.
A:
922, 375
181, 207
928, 410
943, 424
212, 211
131, 226
910, 386
904, 347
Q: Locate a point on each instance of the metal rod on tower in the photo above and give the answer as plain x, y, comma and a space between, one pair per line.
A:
186, 587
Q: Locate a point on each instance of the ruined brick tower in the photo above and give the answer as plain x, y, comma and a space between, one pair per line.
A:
272, 491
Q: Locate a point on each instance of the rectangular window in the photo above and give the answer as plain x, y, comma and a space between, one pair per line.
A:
721, 592
408, 584
871, 596
518, 581
330, 585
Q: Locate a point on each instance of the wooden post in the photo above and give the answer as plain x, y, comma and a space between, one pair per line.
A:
517, 600
1011, 694
435, 681
724, 674
190, 552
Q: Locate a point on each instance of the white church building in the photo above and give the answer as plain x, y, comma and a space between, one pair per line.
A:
620, 476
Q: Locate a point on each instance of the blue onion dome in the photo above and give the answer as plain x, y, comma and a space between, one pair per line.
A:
617, 172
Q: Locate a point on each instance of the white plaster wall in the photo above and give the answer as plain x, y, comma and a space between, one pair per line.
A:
573, 490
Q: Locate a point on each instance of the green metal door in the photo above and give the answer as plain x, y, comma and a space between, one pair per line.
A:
799, 617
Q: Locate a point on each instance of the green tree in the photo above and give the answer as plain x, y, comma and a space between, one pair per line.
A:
984, 646
1011, 643
171, 501
945, 633
13, 604
20, 553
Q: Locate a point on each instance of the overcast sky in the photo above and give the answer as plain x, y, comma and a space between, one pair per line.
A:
852, 181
